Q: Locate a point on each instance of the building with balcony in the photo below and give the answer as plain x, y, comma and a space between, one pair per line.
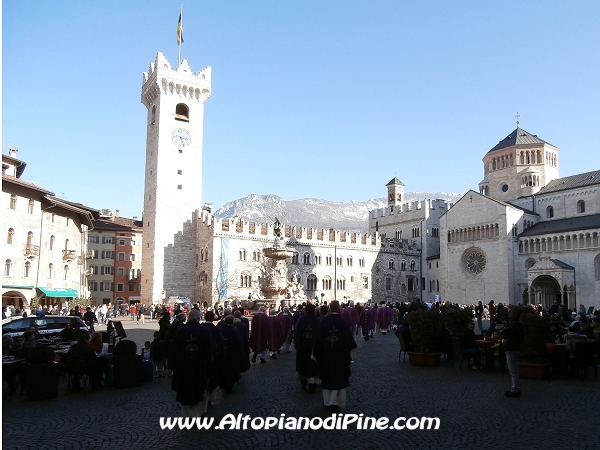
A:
45, 241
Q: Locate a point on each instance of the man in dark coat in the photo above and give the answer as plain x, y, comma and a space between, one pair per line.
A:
333, 345
304, 338
513, 344
189, 358
287, 324
275, 336
259, 337
245, 333
234, 355
217, 369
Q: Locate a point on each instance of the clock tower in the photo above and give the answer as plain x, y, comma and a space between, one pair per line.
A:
173, 179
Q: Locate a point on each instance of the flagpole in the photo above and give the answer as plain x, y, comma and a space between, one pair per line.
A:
181, 34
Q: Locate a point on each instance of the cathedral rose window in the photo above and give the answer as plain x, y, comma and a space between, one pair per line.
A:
474, 261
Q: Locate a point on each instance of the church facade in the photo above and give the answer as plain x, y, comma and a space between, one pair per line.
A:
527, 236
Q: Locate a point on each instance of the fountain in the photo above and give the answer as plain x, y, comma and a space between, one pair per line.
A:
274, 283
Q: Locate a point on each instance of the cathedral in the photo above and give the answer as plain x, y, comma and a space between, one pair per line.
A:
525, 236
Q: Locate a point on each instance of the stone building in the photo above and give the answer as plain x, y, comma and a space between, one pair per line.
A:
419, 223
216, 259
527, 236
45, 248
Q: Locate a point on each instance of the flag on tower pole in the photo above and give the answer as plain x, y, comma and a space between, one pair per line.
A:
180, 32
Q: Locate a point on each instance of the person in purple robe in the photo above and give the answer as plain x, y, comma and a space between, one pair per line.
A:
189, 358
298, 313
367, 322
385, 316
345, 313
287, 324
305, 332
354, 319
259, 336
275, 336
333, 346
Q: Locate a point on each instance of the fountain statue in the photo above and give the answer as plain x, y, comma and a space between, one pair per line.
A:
274, 283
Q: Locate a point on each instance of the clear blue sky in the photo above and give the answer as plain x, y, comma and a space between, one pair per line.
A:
324, 99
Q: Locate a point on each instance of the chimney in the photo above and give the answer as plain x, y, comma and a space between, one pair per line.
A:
117, 213
13, 152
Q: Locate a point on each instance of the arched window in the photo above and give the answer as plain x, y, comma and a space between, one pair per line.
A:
7, 267
66, 269
413, 265
13, 201
326, 283
206, 254
30, 238
52, 239
50, 270
153, 115
341, 284
11, 236
256, 255
307, 258
403, 265
245, 279
580, 206
202, 254
295, 258
349, 261
182, 112
27, 271
391, 264
549, 212
311, 282
66, 244
242, 255
30, 206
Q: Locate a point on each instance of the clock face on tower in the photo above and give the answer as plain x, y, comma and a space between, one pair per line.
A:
181, 137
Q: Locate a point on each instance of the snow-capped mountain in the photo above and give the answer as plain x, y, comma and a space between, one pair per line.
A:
315, 213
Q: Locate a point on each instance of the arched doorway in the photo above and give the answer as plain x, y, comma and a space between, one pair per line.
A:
545, 290
14, 298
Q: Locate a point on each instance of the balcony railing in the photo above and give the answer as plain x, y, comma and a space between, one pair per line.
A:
31, 251
69, 255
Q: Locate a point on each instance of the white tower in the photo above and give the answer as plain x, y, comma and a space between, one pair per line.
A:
173, 179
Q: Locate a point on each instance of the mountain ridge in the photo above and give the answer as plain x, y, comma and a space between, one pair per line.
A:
348, 215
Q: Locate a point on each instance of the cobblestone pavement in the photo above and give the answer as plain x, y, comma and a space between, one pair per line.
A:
557, 413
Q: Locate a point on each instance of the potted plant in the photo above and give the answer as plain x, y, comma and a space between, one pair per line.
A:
457, 319
533, 358
426, 329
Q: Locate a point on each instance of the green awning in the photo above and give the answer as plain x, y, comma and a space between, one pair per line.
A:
8, 286
58, 292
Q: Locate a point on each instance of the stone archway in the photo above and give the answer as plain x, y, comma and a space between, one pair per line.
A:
545, 290
14, 298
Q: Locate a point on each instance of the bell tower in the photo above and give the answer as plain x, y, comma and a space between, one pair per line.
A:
395, 192
173, 177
